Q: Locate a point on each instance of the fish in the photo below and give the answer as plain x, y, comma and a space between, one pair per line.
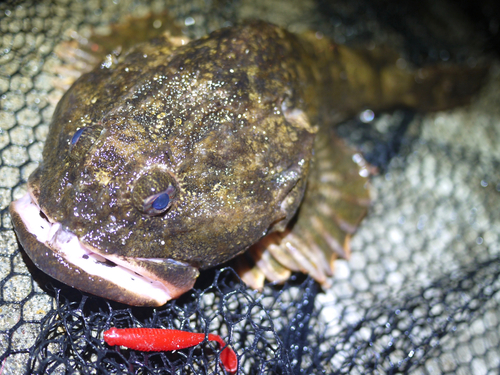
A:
172, 158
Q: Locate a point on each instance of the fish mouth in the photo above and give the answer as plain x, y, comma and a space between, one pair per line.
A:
59, 253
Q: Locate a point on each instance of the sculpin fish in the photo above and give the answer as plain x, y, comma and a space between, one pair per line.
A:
176, 158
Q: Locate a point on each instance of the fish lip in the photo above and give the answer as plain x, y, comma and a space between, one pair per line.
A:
39, 246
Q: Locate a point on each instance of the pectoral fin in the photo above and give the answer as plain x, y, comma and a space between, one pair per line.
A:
335, 201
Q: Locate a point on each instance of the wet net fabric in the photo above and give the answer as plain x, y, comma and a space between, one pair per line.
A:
274, 333
420, 294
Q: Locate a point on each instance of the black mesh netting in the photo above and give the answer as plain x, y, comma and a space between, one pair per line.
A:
420, 292
279, 331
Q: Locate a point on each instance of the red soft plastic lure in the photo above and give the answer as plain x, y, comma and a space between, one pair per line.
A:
157, 340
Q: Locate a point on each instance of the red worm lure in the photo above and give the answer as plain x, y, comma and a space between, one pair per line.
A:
157, 340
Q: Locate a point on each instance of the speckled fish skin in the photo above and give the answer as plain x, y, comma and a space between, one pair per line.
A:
213, 116
227, 120
191, 112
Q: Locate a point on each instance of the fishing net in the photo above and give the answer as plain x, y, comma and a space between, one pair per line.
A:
420, 292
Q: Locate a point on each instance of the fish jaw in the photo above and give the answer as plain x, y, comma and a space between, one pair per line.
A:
60, 254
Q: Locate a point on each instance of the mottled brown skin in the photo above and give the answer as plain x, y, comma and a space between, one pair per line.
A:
226, 120
210, 116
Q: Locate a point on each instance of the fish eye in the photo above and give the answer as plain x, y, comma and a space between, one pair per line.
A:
161, 201
154, 193
76, 136
83, 139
